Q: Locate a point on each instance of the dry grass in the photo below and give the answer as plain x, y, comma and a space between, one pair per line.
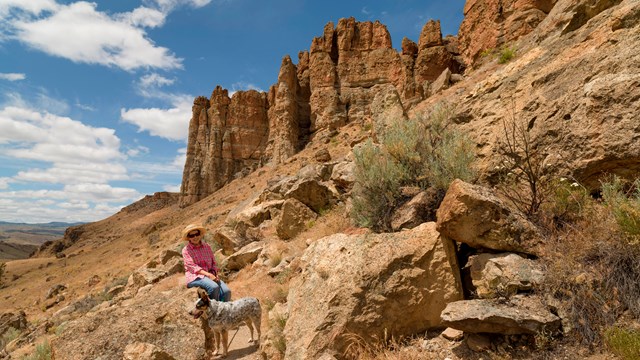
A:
593, 274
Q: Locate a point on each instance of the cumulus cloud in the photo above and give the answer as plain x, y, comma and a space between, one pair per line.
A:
171, 124
12, 76
80, 33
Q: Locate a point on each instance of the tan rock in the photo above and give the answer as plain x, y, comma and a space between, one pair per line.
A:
478, 342
473, 215
228, 240
243, 257
317, 195
503, 274
452, 334
430, 35
293, 219
353, 284
520, 315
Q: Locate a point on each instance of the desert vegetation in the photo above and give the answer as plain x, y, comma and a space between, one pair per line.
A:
423, 152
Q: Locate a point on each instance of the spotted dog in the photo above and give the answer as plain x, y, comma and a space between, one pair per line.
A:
220, 317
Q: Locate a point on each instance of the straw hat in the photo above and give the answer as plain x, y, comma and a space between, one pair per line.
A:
192, 227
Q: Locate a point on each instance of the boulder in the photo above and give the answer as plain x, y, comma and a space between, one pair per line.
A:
317, 195
343, 175
255, 215
519, 315
367, 284
503, 274
228, 240
243, 257
167, 255
473, 215
293, 219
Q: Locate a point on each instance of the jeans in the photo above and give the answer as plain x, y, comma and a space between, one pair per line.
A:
212, 288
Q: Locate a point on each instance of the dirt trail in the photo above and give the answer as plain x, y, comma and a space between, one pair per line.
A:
240, 347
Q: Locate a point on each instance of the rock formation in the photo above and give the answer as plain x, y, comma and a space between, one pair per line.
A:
334, 83
226, 136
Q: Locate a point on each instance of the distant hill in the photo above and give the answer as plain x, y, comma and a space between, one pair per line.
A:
19, 240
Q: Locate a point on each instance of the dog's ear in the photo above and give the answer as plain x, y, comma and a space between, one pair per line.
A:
202, 294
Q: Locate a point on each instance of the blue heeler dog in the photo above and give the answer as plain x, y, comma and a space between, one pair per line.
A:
219, 317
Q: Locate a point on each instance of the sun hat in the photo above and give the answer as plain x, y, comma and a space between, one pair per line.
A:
192, 227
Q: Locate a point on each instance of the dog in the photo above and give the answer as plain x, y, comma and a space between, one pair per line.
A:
219, 317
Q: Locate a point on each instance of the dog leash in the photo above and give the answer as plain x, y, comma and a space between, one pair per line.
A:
234, 336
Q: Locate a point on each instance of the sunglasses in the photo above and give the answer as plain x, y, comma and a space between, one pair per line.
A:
192, 235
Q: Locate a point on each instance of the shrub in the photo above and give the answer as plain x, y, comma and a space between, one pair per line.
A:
506, 54
522, 180
279, 341
2, 270
624, 202
624, 343
422, 151
10, 335
43, 352
377, 188
567, 203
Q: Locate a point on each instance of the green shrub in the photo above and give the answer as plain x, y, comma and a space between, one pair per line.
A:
279, 341
10, 335
506, 54
624, 343
43, 352
568, 202
422, 151
623, 199
377, 188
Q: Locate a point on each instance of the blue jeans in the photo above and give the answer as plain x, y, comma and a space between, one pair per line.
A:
212, 288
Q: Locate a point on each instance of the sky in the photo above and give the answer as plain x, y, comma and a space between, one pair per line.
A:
95, 97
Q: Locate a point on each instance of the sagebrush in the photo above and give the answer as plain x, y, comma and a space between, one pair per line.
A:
423, 152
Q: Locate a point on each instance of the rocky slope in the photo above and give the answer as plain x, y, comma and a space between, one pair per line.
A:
270, 176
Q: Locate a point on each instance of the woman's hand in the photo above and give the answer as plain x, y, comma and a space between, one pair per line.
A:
213, 277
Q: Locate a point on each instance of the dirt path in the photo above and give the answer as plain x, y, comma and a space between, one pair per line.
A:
240, 347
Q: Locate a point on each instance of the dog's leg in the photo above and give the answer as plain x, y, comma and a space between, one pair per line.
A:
216, 335
250, 326
256, 323
225, 342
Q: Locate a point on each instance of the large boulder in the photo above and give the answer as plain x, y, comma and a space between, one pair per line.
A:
519, 315
243, 257
365, 285
473, 215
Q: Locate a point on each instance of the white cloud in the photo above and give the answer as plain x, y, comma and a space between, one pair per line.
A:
171, 188
172, 124
80, 33
12, 76
31, 6
152, 82
4, 183
144, 17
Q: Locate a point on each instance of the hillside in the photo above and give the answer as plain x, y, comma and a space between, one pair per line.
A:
274, 177
19, 241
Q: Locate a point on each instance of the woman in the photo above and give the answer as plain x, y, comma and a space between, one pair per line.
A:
200, 264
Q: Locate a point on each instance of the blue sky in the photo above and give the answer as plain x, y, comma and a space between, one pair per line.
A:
95, 97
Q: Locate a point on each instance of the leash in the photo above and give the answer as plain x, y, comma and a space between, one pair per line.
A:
233, 337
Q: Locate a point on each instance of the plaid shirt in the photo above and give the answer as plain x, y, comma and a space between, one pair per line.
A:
196, 258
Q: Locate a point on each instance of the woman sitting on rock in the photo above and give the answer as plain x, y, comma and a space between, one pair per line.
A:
200, 265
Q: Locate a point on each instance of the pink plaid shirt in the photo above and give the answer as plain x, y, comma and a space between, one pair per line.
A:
196, 258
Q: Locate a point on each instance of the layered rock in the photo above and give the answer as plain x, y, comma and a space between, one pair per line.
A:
574, 92
488, 24
226, 136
